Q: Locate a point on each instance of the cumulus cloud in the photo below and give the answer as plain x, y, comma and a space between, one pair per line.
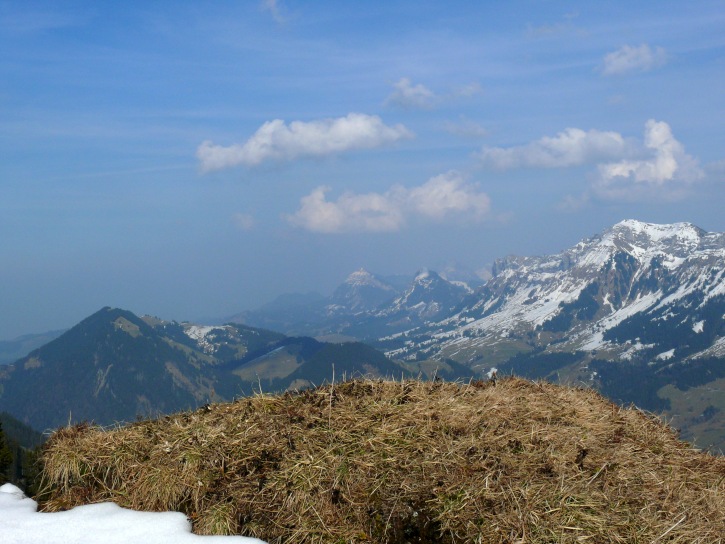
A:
570, 147
665, 171
441, 196
372, 212
447, 194
626, 169
628, 59
278, 141
407, 95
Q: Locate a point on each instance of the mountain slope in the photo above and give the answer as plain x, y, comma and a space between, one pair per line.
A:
116, 366
361, 291
111, 366
599, 296
637, 311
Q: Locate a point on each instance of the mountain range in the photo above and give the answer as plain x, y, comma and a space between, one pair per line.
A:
636, 311
115, 366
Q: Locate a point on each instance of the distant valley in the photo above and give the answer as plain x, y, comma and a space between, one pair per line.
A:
115, 367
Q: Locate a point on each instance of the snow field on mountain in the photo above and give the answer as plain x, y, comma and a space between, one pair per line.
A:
638, 267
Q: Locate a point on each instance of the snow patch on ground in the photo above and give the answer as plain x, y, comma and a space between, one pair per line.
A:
698, 327
666, 355
593, 338
631, 352
716, 350
105, 523
198, 333
596, 341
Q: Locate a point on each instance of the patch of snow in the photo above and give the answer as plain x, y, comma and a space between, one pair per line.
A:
424, 274
666, 355
657, 233
199, 333
631, 352
717, 349
640, 304
595, 342
104, 523
362, 277
699, 326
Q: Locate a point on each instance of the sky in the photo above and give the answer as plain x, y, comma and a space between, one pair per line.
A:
191, 160
104, 523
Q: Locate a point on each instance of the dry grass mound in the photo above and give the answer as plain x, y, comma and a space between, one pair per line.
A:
411, 461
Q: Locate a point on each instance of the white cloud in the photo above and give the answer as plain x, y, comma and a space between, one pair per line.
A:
570, 147
371, 212
666, 171
278, 141
407, 95
441, 196
627, 169
445, 194
633, 59
243, 221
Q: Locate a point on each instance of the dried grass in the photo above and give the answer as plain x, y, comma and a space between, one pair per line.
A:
410, 461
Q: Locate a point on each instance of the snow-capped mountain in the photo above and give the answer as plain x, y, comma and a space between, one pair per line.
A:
366, 306
613, 294
360, 292
637, 311
428, 296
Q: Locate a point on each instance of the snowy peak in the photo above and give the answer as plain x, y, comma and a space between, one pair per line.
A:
361, 291
678, 238
601, 295
654, 233
647, 244
429, 295
363, 278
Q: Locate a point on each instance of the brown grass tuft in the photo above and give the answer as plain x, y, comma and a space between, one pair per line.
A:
411, 461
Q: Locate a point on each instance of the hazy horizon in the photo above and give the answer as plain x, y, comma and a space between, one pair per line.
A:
193, 160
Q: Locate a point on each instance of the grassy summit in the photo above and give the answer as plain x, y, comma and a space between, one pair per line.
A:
411, 461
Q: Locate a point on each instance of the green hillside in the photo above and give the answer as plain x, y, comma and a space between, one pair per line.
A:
117, 367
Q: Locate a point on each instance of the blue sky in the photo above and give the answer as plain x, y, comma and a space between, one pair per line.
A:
193, 159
